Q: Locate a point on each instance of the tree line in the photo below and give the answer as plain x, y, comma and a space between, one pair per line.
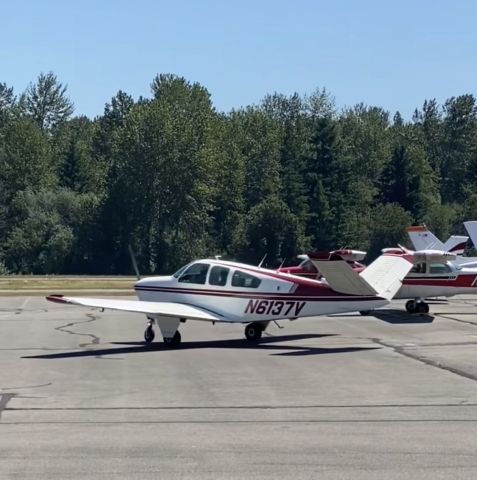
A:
176, 179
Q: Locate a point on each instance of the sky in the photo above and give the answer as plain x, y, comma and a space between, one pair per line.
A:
389, 54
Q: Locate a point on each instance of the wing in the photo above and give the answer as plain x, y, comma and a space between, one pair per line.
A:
165, 309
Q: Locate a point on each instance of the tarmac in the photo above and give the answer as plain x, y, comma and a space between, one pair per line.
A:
388, 396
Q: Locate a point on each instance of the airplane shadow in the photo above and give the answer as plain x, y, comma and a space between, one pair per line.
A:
266, 344
396, 316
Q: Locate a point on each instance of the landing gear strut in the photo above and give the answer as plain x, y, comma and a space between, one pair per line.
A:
413, 306
253, 331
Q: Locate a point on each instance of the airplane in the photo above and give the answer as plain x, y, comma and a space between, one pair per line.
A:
435, 274
423, 239
223, 291
306, 268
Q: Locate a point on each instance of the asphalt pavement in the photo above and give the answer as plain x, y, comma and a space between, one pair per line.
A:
386, 396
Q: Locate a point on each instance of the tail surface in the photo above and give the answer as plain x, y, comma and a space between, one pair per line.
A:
456, 244
423, 239
382, 278
471, 228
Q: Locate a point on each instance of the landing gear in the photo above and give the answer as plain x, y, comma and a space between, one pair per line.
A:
149, 333
173, 341
253, 331
365, 313
413, 306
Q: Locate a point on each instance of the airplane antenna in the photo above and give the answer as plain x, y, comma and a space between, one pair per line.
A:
261, 261
133, 261
281, 264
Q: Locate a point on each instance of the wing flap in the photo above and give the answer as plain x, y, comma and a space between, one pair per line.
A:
166, 309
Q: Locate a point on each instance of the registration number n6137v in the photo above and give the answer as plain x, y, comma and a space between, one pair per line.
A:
274, 307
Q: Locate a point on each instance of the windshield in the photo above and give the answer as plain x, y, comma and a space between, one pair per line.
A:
179, 272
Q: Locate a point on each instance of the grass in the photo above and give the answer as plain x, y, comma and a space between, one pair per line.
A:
19, 284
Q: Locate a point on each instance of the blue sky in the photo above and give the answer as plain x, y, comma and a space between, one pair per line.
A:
390, 54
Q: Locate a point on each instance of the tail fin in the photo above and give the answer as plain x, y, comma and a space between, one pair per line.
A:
423, 239
382, 278
456, 244
471, 228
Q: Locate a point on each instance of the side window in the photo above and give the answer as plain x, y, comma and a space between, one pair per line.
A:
419, 268
218, 276
241, 279
439, 268
196, 273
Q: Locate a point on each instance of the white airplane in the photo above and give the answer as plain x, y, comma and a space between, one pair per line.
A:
222, 291
423, 239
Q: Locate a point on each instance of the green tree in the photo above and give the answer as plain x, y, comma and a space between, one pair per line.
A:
46, 101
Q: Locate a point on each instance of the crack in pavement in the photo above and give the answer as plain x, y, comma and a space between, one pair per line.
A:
405, 351
468, 322
92, 318
27, 386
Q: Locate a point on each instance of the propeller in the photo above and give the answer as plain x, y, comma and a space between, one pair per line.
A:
133, 261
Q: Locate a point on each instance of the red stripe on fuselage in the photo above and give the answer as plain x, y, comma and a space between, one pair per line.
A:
299, 294
459, 281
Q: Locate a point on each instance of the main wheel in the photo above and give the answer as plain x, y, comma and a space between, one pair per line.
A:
422, 307
253, 331
173, 341
149, 334
365, 313
411, 306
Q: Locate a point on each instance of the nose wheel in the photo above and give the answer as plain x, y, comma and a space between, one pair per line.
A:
149, 333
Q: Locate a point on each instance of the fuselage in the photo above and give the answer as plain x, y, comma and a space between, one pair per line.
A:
243, 293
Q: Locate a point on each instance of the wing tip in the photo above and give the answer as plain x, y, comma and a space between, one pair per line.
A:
56, 298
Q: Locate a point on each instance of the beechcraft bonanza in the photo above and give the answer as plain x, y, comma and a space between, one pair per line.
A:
223, 291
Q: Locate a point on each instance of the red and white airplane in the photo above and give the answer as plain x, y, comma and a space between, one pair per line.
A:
435, 274
222, 291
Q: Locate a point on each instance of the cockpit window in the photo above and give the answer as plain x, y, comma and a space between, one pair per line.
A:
196, 273
218, 276
439, 268
241, 279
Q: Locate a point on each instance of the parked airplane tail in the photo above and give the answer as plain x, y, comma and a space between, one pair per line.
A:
456, 244
382, 278
471, 228
423, 239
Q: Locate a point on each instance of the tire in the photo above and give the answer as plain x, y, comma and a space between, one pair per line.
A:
149, 334
365, 313
253, 332
411, 306
422, 307
173, 341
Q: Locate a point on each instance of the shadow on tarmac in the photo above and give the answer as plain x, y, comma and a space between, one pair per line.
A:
266, 344
401, 317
